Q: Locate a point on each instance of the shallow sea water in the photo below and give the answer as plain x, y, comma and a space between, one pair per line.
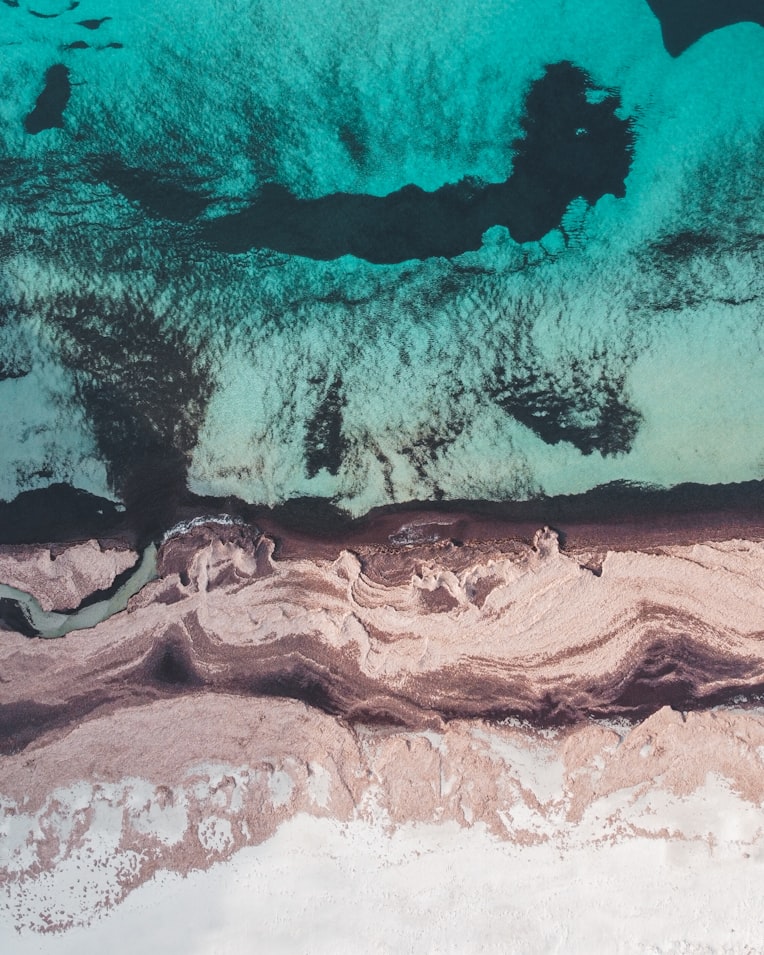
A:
208, 268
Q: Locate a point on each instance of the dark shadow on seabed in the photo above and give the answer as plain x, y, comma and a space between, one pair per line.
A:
48, 112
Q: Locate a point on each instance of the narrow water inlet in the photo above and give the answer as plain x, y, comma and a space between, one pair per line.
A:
50, 624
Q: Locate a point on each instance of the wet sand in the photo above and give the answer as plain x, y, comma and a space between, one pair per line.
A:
398, 528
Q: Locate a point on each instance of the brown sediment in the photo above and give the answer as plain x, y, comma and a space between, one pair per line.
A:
617, 516
396, 529
613, 516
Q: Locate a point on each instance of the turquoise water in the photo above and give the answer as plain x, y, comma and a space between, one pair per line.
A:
625, 343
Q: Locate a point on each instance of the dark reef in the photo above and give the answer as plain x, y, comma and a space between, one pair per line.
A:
325, 445
144, 390
591, 419
572, 148
684, 22
11, 369
574, 145
93, 24
48, 112
160, 196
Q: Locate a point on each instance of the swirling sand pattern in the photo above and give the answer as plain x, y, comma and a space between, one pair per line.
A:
486, 632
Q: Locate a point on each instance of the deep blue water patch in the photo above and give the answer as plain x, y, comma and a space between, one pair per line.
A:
58, 512
684, 22
48, 112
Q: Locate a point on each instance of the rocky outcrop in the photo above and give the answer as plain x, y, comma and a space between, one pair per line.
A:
60, 577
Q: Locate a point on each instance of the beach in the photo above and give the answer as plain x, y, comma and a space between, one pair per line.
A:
254, 723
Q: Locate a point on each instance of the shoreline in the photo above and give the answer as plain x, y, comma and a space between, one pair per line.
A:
617, 516
508, 812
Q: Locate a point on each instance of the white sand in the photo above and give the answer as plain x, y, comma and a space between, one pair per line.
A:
319, 886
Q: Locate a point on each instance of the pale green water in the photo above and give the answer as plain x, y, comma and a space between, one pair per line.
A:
654, 297
50, 624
